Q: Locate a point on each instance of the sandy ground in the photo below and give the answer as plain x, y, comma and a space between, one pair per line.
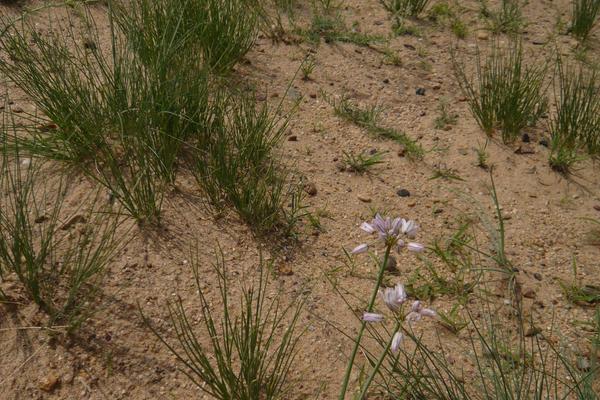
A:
114, 356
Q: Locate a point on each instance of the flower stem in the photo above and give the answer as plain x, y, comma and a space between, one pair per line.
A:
363, 392
363, 325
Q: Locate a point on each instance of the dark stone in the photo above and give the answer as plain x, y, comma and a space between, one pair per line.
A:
311, 189
537, 276
403, 193
420, 91
293, 138
525, 138
391, 264
544, 142
386, 80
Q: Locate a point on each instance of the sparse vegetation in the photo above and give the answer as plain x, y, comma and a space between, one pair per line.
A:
505, 94
584, 15
368, 118
405, 8
132, 128
508, 18
361, 163
576, 124
248, 356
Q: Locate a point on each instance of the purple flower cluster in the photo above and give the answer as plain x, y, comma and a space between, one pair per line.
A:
391, 232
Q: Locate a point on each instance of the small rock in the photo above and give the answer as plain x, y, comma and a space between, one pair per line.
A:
538, 42
363, 198
537, 276
448, 128
261, 97
47, 127
285, 269
525, 138
462, 99
403, 193
532, 331
409, 46
438, 211
311, 189
544, 142
340, 166
17, 110
292, 138
386, 80
597, 207
77, 219
40, 219
313, 95
525, 149
482, 35
420, 91
463, 151
529, 293
401, 151
391, 264
378, 22
373, 151
436, 87
49, 383
89, 44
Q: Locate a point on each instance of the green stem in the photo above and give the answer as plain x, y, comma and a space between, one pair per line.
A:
363, 325
363, 392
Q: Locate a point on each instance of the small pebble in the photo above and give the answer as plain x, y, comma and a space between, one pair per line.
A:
363, 198
525, 138
391, 264
537, 276
482, 35
420, 91
403, 193
544, 142
311, 189
293, 138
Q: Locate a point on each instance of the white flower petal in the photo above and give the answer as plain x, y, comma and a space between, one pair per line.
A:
396, 341
361, 248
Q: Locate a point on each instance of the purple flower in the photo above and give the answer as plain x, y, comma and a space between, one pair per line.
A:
372, 317
361, 248
367, 227
415, 247
391, 231
396, 341
394, 297
409, 228
418, 311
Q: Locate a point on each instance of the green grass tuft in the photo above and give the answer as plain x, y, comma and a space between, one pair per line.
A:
506, 94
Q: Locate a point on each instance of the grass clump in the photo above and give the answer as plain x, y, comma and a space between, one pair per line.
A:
576, 123
60, 265
361, 163
405, 8
237, 165
132, 116
506, 94
241, 357
332, 28
368, 118
507, 19
584, 15
445, 117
